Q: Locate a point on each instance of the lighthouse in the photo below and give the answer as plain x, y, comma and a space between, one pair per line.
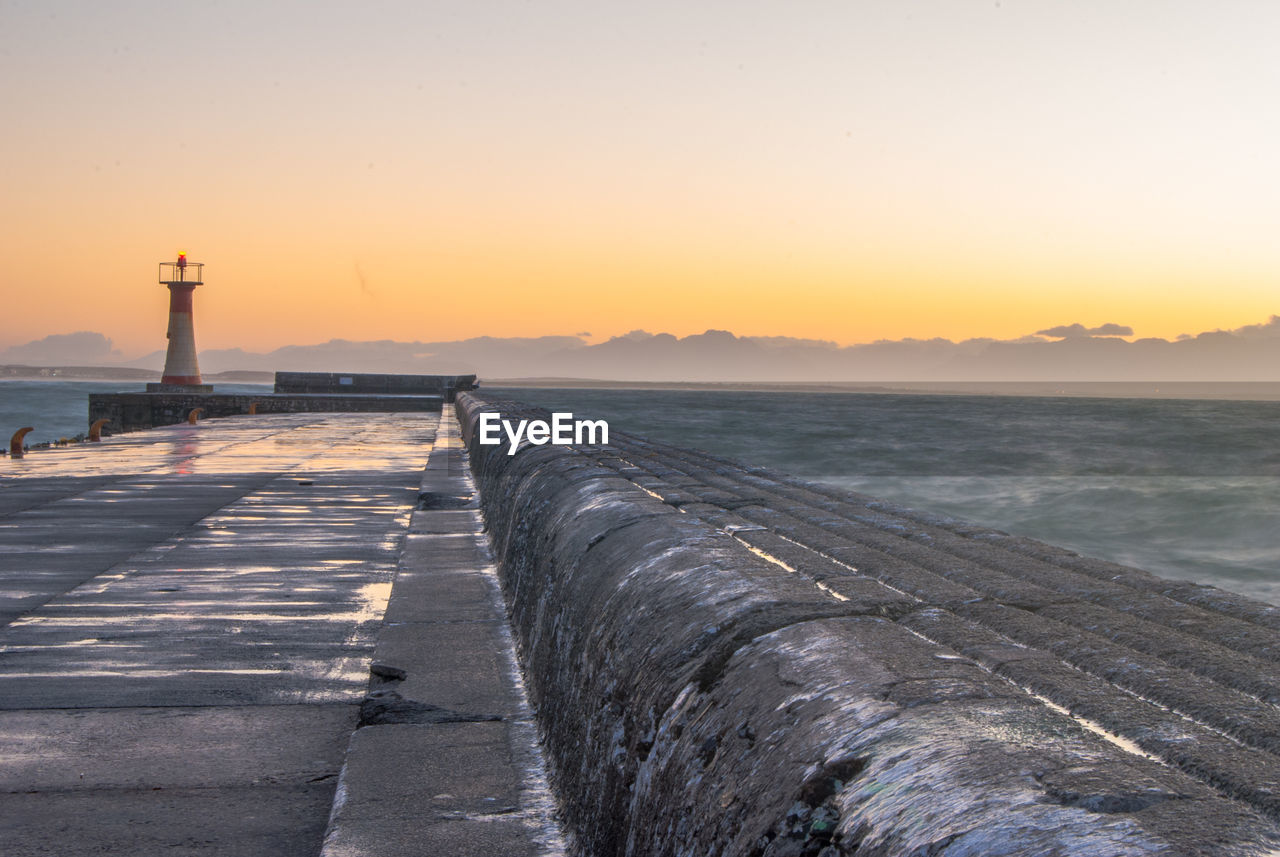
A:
181, 371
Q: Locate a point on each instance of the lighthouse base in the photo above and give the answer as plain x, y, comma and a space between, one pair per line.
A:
179, 388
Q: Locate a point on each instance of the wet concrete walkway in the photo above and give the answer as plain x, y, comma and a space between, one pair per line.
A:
447, 760
189, 615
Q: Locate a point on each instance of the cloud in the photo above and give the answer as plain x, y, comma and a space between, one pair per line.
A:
1073, 331
1269, 329
1111, 330
1070, 352
791, 342
1064, 331
68, 349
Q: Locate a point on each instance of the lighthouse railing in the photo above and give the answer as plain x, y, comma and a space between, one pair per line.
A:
191, 272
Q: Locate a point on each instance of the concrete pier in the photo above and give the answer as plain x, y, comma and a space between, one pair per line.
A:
297, 635
190, 618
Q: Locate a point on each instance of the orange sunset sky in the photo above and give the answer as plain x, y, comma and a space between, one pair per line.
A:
438, 170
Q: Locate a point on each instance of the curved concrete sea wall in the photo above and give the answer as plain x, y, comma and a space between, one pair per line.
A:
728, 661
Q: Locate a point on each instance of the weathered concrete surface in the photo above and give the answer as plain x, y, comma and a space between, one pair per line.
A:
445, 760
245, 780
728, 661
192, 612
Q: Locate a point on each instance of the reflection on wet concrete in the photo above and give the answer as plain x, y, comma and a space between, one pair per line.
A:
70, 515
231, 565
238, 562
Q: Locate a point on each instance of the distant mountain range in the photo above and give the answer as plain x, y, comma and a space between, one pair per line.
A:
1065, 353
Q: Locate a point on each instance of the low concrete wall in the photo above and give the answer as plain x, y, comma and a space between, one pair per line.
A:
366, 383
707, 686
136, 411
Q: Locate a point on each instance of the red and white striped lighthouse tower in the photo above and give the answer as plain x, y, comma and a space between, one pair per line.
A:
180, 367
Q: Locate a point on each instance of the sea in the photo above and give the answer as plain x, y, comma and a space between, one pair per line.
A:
1184, 488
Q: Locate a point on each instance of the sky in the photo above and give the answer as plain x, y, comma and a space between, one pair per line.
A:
848, 171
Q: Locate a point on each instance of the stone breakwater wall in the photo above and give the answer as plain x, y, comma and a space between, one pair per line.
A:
730, 661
